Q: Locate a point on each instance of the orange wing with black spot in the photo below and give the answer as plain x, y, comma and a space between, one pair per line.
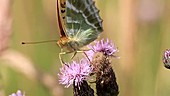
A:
61, 15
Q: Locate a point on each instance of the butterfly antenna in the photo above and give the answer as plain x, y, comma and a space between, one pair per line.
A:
38, 42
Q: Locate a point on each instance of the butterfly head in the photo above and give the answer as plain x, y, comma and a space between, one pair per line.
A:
69, 43
62, 42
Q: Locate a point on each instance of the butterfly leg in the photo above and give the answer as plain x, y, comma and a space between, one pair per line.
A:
86, 56
63, 53
82, 51
74, 55
61, 60
75, 52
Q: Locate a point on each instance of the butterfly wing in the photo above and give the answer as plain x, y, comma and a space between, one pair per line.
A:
83, 22
61, 14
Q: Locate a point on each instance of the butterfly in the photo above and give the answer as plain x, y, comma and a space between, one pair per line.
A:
79, 24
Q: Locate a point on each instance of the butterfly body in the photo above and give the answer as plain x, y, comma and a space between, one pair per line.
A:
69, 44
79, 23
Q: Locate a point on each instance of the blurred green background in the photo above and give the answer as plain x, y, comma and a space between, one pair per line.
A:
139, 28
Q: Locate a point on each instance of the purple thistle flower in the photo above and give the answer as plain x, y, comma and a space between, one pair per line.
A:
166, 58
19, 93
106, 47
74, 72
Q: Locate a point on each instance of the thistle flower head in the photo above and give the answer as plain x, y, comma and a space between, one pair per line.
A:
166, 58
19, 93
106, 47
74, 72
